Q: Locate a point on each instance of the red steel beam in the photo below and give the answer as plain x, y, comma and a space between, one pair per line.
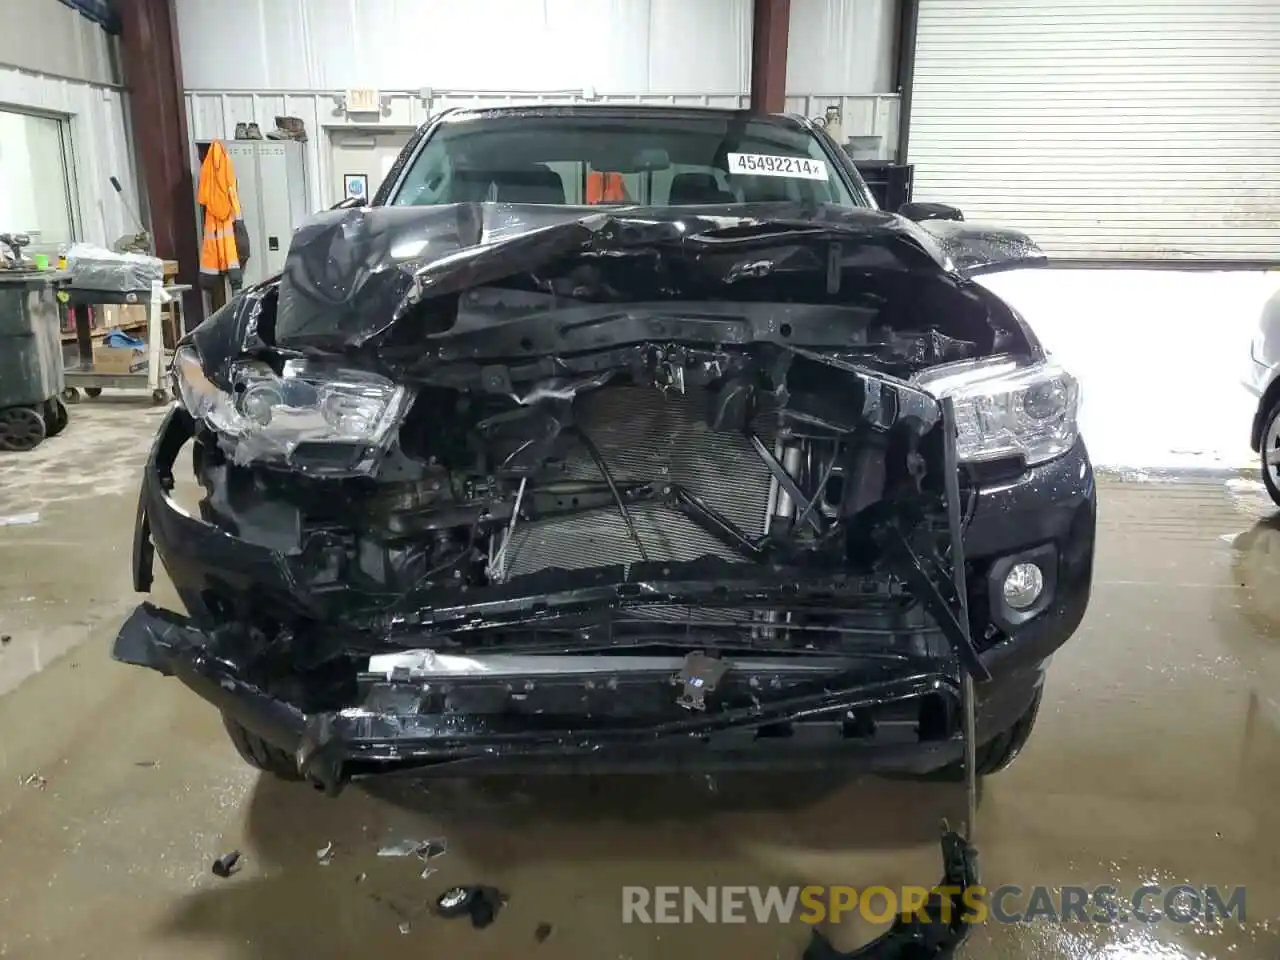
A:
769, 24
153, 74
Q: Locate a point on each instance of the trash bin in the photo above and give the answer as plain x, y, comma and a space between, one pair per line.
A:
31, 380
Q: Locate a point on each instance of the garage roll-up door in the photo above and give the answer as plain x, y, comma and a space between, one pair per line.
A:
1107, 129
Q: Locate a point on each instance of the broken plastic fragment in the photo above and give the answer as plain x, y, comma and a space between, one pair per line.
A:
402, 849
934, 931
454, 901
422, 849
324, 856
428, 871
405, 928
478, 902
33, 780
227, 864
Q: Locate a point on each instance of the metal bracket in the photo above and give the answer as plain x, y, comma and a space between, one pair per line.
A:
923, 582
788, 483
699, 676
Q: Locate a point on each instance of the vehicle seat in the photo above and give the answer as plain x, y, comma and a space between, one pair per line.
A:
697, 188
765, 190
470, 185
534, 184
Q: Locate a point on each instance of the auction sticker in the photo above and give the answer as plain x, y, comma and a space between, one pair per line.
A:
766, 165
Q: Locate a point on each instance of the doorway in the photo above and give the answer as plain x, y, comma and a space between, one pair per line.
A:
363, 156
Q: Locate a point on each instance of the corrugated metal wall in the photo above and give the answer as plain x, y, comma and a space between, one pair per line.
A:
633, 46
614, 46
1107, 128
49, 37
100, 141
841, 46
54, 61
251, 60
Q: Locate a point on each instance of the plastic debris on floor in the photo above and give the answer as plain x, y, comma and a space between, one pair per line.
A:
480, 903
227, 864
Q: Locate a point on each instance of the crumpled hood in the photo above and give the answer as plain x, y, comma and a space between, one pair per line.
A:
351, 274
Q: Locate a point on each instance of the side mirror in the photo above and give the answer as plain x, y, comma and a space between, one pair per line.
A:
350, 202
929, 211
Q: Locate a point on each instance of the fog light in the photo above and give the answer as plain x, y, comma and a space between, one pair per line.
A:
1023, 585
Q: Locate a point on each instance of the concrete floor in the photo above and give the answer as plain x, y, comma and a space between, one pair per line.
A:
1154, 761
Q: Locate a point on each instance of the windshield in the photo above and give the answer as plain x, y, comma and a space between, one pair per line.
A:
652, 161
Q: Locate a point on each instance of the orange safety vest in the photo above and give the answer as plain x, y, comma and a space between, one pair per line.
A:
606, 188
221, 201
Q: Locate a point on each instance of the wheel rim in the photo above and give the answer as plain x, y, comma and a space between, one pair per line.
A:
1271, 450
20, 428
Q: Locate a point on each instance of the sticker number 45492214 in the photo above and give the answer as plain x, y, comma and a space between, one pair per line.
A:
766, 165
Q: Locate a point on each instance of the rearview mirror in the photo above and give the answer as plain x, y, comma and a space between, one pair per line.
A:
929, 211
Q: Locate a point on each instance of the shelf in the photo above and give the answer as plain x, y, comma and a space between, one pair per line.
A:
99, 332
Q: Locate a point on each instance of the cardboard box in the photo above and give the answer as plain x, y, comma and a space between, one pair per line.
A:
119, 359
131, 317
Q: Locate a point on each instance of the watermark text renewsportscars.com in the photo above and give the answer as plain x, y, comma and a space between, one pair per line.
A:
878, 904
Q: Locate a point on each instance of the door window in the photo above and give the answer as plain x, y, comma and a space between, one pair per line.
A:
35, 180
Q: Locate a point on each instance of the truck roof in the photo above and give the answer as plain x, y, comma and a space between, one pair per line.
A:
638, 111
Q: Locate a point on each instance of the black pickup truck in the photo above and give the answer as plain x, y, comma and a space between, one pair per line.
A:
613, 438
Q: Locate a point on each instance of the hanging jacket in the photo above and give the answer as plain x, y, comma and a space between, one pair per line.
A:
221, 201
606, 188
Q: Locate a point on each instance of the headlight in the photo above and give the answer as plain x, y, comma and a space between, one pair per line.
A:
1004, 409
315, 417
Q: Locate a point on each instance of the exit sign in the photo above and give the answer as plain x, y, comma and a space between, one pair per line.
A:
363, 100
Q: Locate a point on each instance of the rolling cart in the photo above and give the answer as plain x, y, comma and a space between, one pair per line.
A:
92, 381
31, 383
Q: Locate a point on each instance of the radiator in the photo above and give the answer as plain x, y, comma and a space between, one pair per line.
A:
646, 435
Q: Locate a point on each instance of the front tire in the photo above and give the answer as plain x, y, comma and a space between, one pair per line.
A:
997, 753
259, 754
1269, 447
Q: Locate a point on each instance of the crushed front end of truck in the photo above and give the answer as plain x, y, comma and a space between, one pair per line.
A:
492, 488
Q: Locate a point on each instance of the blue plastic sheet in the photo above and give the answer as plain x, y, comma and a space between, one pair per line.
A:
118, 338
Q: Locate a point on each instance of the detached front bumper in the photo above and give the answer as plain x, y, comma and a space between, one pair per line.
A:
389, 732
767, 716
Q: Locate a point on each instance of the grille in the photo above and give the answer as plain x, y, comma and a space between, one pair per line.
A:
644, 434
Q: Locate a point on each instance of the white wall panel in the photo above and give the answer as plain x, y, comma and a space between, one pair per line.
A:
861, 115
841, 46
646, 46
1105, 128
100, 141
49, 37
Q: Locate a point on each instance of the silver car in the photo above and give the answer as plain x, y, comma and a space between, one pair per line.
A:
1263, 381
